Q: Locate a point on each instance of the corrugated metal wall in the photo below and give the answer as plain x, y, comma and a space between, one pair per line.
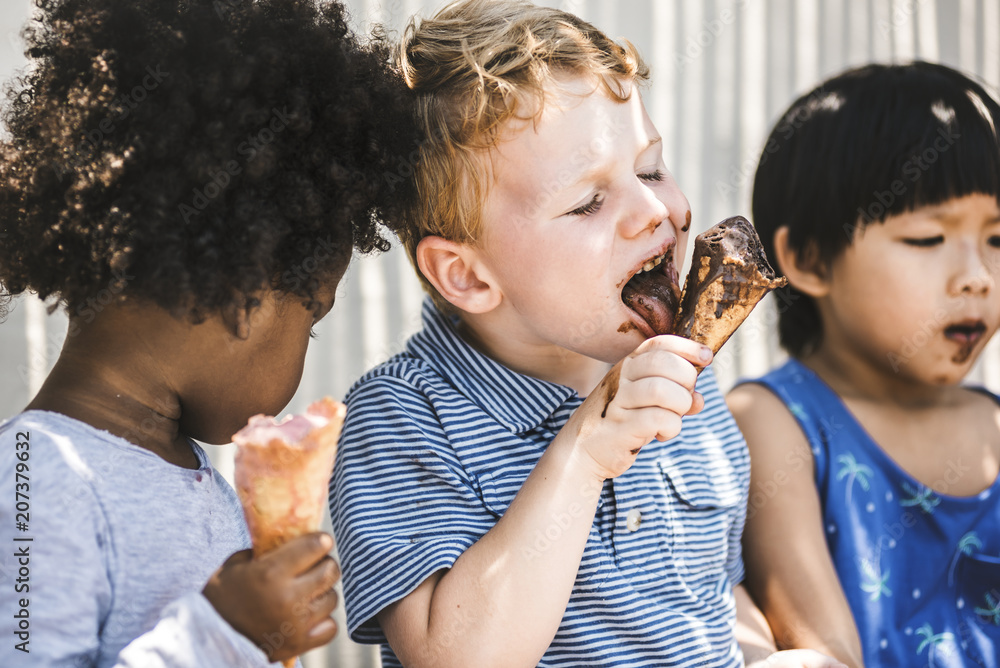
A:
722, 72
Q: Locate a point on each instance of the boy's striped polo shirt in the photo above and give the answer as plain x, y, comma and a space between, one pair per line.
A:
440, 438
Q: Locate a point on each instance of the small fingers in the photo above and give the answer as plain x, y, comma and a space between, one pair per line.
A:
696, 353
323, 632
302, 553
322, 576
656, 392
656, 363
324, 604
664, 424
804, 658
241, 557
697, 403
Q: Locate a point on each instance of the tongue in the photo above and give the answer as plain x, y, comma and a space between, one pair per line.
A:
654, 296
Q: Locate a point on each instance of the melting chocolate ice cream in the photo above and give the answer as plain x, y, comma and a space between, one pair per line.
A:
729, 274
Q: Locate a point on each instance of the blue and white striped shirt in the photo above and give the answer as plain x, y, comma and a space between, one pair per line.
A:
440, 438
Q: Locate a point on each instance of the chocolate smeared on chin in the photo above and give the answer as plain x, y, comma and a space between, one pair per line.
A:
729, 275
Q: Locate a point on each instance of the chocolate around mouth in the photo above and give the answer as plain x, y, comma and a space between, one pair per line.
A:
967, 336
655, 295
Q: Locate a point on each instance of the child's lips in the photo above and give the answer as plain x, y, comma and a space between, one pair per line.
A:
652, 294
966, 333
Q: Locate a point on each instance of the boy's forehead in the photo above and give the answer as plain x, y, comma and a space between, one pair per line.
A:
581, 135
582, 124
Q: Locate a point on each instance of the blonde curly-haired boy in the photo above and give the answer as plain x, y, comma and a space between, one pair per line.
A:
495, 503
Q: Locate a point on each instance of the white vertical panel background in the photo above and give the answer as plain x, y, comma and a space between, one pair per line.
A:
722, 72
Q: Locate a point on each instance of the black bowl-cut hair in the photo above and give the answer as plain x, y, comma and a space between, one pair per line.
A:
192, 153
872, 142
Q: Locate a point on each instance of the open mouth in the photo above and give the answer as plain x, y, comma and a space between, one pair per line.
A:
967, 333
653, 293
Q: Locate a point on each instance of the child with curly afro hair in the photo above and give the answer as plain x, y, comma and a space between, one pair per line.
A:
187, 178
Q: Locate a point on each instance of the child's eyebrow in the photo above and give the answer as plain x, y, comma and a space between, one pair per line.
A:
945, 216
599, 169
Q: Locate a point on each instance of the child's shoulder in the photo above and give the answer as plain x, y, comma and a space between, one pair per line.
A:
398, 374
982, 398
60, 465
789, 388
64, 452
435, 364
52, 443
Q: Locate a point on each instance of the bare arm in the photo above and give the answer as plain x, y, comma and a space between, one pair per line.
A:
789, 572
502, 601
752, 630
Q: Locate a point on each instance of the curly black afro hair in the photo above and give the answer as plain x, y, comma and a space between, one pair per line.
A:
191, 153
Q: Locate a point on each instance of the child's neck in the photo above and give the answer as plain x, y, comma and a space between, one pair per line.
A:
549, 363
102, 380
857, 379
944, 436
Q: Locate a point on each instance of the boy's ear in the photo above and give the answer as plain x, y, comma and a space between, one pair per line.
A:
805, 271
458, 274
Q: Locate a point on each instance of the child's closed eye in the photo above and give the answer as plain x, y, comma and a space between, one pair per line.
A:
652, 176
590, 207
924, 242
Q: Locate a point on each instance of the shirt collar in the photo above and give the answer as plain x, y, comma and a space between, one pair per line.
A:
518, 402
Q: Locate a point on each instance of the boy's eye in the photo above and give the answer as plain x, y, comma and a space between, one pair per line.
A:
590, 207
652, 176
924, 242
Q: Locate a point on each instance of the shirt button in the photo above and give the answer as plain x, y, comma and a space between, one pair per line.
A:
633, 519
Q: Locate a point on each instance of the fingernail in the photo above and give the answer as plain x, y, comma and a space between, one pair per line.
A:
322, 628
705, 355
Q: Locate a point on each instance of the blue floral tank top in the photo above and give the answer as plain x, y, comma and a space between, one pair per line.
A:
921, 569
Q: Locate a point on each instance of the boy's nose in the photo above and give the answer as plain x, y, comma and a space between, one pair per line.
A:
976, 276
646, 213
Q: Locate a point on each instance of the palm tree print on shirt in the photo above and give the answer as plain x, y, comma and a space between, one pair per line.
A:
797, 410
875, 581
992, 610
923, 497
853, 471
968, 543
932, 641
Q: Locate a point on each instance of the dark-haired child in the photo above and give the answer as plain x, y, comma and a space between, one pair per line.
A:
874, 521
124, 175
